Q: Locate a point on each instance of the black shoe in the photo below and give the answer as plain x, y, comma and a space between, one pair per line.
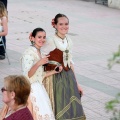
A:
2, 57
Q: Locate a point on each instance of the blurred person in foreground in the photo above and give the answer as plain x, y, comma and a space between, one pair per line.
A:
15, 95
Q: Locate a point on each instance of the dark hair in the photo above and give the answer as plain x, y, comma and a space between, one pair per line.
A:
36, 30
33, 34
58, 16
20, 85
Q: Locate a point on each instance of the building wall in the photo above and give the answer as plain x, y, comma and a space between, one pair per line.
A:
114, 3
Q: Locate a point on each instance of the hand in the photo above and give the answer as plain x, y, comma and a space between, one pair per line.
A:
44, 60
59, 69
80, 89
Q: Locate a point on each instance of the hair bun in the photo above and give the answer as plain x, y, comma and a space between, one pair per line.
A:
53, 23
30, 36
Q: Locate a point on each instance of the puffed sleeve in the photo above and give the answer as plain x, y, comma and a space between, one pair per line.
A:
70, 48
48, 46
27, 61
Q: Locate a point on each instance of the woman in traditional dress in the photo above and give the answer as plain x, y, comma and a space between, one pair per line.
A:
32, 67
65, 95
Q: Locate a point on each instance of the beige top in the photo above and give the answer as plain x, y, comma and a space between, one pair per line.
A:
29, 58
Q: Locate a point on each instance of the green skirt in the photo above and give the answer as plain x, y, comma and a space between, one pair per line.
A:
66, 97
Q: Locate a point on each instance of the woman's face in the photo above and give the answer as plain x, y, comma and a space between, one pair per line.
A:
7, 96
62, 26
39, 39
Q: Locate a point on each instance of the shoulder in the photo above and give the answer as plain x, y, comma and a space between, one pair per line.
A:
29, 50
29, 53
4, 18
49, 45
69, 40
23, 114
68, 37
50, 39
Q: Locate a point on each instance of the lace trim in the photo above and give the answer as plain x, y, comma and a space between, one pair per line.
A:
73, 98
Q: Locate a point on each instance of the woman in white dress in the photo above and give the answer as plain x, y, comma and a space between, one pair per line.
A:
32, 67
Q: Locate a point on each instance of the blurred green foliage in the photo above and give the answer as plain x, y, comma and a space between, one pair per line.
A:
115, 59
113, 106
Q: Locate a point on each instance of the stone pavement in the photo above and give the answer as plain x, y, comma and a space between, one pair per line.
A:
95, 30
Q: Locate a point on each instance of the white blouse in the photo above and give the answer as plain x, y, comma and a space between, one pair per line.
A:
1, 27
29, 58
56, 42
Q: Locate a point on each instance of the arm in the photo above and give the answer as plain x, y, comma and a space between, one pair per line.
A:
29, 68
33, 69
72, 67
41, 62
78, 85
5, 27
49, 73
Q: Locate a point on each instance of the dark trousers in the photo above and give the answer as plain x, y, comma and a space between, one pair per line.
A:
2, 51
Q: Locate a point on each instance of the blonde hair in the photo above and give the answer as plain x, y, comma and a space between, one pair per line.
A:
3, 11
20, 85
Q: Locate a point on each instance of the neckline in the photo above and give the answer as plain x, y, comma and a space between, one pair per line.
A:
63, 39
60, 37
36, 48
59, 44
21, 107
38, 51
14, 111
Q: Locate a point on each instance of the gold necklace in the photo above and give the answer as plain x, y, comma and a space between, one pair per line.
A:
66, 51
61, 37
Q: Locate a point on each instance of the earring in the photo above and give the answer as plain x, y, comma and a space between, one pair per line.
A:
33, 42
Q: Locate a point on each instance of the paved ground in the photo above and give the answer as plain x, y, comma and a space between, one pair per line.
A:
95, 30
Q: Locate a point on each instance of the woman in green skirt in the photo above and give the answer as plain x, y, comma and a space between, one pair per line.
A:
63, 88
